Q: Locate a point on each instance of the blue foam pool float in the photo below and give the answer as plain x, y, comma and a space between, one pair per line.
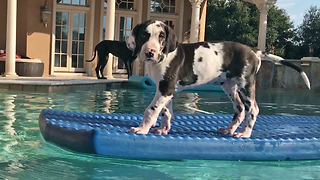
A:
142, 82
193, 136
146, 82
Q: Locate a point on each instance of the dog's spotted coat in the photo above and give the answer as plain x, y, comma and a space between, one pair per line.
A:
175, 67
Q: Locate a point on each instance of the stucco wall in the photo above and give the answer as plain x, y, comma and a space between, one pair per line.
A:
187, 16
3, 24
33, 39
97, 32
22, 25
38, 37
203, 17
144, 11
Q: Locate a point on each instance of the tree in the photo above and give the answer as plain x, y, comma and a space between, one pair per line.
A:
231, 21
280, 32
234, 20
309, 32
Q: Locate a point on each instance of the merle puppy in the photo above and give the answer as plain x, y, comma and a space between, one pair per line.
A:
117, 48
175, 67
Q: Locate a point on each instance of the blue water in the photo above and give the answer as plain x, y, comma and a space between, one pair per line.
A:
25, 155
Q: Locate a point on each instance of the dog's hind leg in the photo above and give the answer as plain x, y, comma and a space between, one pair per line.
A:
101, 60
247, 96
231, 89
103, 65
97, 71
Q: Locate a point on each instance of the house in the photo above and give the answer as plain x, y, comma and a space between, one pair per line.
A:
63, 33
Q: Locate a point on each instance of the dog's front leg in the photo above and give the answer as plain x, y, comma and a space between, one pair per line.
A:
151, 113
128, 68
166, 116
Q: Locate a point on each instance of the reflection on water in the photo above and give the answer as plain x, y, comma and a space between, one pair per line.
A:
24, 154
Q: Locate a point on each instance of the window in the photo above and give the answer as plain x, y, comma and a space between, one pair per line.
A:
122, 4
62, 26
163, 6
78, 34
125, 27
169, 23
73, 2
70, 41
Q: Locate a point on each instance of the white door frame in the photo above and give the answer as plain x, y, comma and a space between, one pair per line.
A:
121, 13
71, 9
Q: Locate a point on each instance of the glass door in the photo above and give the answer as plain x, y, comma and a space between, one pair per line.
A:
70, 41
123, 28
61, 44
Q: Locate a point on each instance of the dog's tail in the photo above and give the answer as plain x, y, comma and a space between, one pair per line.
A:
277, 59
93, 57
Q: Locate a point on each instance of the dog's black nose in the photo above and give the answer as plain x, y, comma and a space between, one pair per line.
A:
150, 54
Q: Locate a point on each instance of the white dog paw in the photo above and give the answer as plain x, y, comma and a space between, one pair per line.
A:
159, 131
241, 135
139, 130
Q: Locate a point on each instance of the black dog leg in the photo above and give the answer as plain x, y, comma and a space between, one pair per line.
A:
97, 71
103, 59
128, 67
103, 64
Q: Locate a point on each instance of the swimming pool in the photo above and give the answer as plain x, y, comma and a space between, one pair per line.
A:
25, 155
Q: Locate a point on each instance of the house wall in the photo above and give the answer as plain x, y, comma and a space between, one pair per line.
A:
145, 9
38, 37
97, 20
22, 26
97, 31
3, 24
187, 16
203, 17
33, 39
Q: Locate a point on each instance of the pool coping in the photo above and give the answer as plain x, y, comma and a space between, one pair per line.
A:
56, 84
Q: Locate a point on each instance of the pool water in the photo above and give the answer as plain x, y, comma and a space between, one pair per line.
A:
25, 155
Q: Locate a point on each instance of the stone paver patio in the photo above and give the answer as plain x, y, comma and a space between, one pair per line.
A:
54, 84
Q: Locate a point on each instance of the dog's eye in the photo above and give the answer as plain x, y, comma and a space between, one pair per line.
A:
161, 36
143, 35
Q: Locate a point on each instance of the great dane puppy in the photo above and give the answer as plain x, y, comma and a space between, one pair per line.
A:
117, 48
175, 67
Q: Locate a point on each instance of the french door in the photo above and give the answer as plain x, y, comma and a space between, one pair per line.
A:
70, 41
168, 21
122, 29
123, 26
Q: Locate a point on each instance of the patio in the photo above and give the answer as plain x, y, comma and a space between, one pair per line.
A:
59, 83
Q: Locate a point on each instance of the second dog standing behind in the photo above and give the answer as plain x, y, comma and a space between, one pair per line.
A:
117, 48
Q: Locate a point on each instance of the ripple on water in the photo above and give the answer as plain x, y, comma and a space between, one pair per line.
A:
24, 154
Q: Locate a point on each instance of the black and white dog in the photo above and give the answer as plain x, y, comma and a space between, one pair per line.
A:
117, 48
175, 67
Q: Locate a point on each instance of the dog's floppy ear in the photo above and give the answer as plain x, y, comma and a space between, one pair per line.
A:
171, 40
132, 39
